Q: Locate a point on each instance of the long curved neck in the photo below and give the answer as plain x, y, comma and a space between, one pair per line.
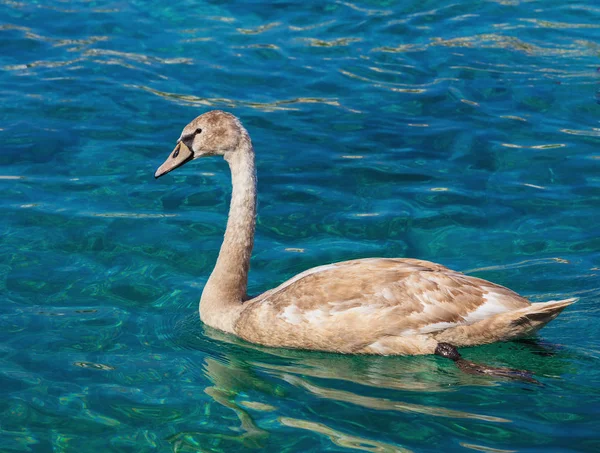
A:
226, 287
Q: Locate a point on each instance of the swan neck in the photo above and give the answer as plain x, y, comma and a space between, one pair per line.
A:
226, 287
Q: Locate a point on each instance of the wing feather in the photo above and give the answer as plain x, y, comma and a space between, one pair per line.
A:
371, 299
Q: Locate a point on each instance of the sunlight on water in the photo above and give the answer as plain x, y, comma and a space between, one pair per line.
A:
462, 133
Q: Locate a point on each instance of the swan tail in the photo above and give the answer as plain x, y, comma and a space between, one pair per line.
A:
505, 326
536, 316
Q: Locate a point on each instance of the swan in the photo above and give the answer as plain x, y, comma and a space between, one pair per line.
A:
385, 306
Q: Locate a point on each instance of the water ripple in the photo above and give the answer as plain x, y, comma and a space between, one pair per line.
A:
459, 132
231, 103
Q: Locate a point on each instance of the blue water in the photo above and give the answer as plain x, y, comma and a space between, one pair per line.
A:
465, 133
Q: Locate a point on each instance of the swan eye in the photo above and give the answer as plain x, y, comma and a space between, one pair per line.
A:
188, 139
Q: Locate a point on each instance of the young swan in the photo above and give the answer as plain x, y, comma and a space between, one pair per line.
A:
369, 306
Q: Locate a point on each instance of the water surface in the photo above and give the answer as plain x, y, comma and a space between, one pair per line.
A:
465, 133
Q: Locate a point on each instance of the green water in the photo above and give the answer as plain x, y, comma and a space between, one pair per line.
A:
462, 133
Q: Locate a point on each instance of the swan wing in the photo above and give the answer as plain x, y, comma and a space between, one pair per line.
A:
354, 303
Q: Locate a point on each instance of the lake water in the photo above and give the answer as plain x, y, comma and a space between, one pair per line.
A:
466, 133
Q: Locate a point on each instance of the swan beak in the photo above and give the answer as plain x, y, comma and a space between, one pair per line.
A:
180, 155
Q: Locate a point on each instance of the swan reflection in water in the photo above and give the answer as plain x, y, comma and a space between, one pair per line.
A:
275, 376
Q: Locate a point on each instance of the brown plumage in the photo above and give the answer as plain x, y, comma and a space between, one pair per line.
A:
368, 306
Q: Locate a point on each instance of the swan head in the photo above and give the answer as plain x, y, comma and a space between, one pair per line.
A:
214, 133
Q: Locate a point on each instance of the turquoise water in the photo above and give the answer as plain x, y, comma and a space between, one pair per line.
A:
465, 133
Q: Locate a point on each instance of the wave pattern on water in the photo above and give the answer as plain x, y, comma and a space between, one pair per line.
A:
464, 133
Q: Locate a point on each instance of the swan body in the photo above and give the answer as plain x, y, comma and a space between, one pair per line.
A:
387, 306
